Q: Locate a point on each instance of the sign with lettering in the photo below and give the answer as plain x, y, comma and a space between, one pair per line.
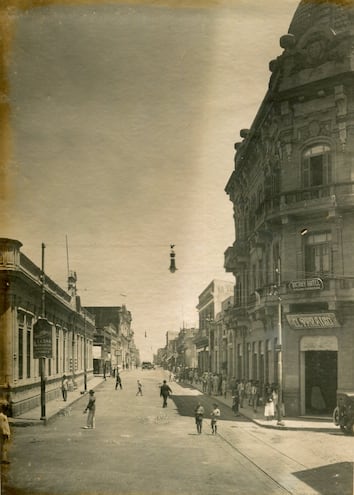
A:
306, 320
306, 284
42, 339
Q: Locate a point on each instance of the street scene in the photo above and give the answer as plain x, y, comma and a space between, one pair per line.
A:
139, 447
176, 247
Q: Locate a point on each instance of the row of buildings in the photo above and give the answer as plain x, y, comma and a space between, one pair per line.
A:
42, 324
291, 320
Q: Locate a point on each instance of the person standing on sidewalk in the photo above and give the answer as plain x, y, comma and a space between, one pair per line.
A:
241, 391
199, 413
140, 388
91, 408
235, 402
4, 433
268, 403
255, 395
165, 392
215, 414
65, 387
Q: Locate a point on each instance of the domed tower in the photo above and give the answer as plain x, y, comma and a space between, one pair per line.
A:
292, 191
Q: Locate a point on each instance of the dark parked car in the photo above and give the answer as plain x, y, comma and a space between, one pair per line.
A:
146, 365
343, 415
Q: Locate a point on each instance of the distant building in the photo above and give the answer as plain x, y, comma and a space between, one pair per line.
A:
115, 338
292, 191
209, 305
25, 301
186, 348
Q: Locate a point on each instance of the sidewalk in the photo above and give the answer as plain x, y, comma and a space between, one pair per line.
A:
55, 407
324, 424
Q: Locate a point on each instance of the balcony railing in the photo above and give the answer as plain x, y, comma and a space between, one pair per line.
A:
340, 194
337, 287
236, 254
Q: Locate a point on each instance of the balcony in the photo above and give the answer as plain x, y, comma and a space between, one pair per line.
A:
294, 202
236, 255
335, 288
317, 198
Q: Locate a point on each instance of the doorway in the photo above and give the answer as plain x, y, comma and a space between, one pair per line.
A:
320, 381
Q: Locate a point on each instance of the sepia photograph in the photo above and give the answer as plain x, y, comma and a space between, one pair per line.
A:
176, 247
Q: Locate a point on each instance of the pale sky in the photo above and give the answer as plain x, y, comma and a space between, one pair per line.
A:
124, 119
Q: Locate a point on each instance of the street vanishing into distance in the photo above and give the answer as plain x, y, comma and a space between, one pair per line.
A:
138, 447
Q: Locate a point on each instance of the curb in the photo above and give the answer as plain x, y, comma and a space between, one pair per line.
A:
22, 423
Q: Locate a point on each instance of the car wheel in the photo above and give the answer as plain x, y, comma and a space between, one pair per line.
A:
336, 416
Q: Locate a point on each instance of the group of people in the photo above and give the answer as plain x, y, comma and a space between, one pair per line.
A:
199, 416
255, 395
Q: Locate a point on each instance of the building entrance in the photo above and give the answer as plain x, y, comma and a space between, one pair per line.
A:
320, 381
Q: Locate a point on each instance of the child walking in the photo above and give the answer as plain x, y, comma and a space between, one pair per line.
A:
215, 414
91, 408
140, 388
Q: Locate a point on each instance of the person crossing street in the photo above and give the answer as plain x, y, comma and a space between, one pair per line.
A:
165, 392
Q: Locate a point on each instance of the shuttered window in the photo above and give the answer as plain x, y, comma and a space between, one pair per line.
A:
316, 166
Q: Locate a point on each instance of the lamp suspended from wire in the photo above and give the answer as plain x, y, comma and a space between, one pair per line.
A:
172, 259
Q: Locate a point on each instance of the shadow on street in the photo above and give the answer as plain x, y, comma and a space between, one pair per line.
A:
186, 404
330, 479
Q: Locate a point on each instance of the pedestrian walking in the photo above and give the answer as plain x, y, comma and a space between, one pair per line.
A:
140, 388
199, 413
4, 433
64, 387
91, 408
165, 392
118, 381
215, 414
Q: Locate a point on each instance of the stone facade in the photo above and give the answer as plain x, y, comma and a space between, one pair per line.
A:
292, 191
24, 301
115, 336
209, 306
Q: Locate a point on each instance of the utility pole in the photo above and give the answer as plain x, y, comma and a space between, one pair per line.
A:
42, 359
280, 347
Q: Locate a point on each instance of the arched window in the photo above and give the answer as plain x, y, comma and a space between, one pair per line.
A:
316, 166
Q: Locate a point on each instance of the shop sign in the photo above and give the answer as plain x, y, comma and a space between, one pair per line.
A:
306, 320
42, 339
306, 284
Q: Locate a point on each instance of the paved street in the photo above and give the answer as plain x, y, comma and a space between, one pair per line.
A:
138, 447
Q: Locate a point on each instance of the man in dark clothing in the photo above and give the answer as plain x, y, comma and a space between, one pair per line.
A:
118, 381
165, 391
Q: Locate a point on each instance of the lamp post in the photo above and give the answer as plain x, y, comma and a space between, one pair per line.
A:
209, 320
280, 350
42, 359
85, 366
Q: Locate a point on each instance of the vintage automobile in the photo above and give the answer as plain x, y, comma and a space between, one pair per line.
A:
147, 365
343, 414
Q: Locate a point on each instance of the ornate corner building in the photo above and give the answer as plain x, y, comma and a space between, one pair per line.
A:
292, 191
